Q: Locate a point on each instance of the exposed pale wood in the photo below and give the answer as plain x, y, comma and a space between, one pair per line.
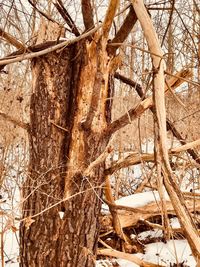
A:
116, 221
110, 14
62, 91
186, 146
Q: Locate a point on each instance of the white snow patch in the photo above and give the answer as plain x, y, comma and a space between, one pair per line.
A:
174, 251
174, 222
140, 199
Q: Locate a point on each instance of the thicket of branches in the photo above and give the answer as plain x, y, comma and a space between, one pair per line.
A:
131, 164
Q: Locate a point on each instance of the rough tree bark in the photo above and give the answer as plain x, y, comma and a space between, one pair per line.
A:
69, 112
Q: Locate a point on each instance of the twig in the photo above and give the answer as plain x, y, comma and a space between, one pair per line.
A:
58, 126
182, 78
124, 31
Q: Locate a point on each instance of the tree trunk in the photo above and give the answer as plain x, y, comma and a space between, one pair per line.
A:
69, 112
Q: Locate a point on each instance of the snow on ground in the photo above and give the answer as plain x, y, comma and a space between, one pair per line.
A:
174, 251
121, 262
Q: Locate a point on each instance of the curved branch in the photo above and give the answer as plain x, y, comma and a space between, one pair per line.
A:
126, 256
171, 186
136, 158
170, 125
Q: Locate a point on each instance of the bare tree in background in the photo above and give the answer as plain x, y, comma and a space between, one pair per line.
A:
71, 127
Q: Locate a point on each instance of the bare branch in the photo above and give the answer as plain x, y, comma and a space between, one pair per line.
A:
124, 31
170, 124
41, 12
132, 159
126, 256
130, 82
26, 56
11, 39
64, 13
87, 13
136, 158
169, 22
137, 111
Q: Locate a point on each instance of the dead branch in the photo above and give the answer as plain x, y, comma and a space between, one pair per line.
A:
130, 160
130, 82
136, 158
126, 256
183, 78
129, 216
116, 221
170, 125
